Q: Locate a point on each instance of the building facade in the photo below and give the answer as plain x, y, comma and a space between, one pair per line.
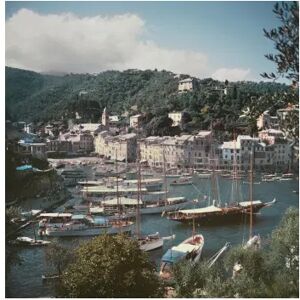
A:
135, 121
186, 151
186, 85
176, 117
120, 147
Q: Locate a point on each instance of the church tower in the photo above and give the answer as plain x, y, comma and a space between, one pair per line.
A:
105, 119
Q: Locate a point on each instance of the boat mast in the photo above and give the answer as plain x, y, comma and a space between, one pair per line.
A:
33, 231
214, 186
234, 188
165, 179
138, 215
117, 191
251, 192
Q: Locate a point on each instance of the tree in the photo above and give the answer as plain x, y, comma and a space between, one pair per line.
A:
286, 40
284, 255
110, 266
270, 272
58, 256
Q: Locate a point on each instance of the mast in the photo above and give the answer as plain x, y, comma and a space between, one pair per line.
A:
165, 179
234, 188
251, 192
33, 231
117, 188
214, 186
138, 214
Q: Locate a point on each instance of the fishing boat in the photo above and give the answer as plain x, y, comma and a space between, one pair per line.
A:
27, 241
190, 249
182, 181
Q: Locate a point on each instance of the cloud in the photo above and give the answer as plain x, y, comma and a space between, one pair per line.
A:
234, 74
69, 43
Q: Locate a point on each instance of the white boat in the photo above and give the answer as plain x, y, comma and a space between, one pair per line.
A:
53, 219
204, 175
84, 226
151, 184
24, 240
287, 175
146, 207
172, 204
151, 242
182, 181
190, 249
173, 175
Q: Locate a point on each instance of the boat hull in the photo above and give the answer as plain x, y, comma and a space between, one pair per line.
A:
232, 214
152, 245
94, 231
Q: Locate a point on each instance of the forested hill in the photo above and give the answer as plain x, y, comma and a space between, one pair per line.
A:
31, 96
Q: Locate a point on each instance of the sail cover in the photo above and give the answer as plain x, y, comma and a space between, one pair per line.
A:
207, 209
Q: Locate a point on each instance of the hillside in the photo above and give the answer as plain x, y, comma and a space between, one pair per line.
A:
31, 96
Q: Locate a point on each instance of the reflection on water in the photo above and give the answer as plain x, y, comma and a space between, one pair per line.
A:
25, 280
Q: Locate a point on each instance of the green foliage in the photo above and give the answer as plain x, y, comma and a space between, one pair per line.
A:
286, 40
58, 256
110, 266
270, 272
154, 93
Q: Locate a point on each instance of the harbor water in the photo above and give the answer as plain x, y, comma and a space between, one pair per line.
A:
25, 278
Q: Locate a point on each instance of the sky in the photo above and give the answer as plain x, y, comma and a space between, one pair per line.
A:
222, 40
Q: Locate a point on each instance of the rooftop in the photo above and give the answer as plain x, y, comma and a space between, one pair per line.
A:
186, 80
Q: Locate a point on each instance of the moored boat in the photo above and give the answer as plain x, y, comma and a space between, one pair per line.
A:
27, 241
190, 249
182, 181
85, 226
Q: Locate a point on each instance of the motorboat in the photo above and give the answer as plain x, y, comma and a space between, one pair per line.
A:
81, 225
190, 249
27, 241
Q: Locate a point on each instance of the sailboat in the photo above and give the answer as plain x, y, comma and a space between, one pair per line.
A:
254, 240
216, 212
190, 249
151, 241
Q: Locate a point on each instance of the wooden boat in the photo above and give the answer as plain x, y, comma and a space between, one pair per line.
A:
190, 249
220, 213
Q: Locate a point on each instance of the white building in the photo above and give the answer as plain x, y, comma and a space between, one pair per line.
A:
176, 117
264, 155
120, 147
186, 85
135, 121
265, 121
186, 151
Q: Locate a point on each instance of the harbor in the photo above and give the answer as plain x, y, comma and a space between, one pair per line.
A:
26, 279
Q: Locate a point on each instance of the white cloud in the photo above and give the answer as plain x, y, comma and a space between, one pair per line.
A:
68, 43
234, 74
